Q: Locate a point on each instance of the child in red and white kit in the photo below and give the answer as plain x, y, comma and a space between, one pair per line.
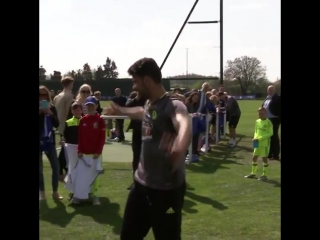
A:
91, 139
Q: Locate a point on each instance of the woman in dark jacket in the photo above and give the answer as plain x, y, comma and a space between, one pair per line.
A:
48, 120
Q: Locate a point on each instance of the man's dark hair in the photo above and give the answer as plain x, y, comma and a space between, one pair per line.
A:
146, 67
66, 81
220, 93
76, 105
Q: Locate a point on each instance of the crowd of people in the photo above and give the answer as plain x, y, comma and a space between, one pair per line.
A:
162, 133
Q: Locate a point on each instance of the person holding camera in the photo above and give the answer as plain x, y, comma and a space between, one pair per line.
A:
48, 120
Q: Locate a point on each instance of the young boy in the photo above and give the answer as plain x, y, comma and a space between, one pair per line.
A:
262, 133
91, 139
70, 142
70, 134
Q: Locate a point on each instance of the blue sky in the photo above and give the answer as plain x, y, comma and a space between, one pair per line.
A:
73, 32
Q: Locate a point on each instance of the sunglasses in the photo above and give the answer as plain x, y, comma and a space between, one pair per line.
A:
85, 91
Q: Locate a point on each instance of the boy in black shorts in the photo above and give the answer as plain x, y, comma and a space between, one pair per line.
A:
233, 114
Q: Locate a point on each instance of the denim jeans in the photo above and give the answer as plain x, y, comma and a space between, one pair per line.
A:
53, 159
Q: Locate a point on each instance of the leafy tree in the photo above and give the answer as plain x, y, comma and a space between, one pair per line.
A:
99, 73
42, 73
277, 85
56, 76
71, 73
86, 73
194, 81
110, 69
248, 71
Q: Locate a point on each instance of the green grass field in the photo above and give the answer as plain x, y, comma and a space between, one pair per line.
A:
219, 204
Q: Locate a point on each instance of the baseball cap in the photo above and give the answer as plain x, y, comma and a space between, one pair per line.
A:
91, 100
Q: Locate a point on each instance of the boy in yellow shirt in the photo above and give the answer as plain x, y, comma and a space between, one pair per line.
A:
261, 143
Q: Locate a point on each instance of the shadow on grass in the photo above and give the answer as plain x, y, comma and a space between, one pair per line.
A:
246, 140
206, 200
57, 215
274, 182
106, 213
210, 163
220, 155
188, 206
270, 181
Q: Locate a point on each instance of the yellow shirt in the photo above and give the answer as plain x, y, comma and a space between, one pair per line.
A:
263, 131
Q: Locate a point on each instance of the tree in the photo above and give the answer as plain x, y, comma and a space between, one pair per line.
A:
86, 73
110, 69
99, 73
277, 85
248, 71
56, 76
194, 81
42, 73
71, 73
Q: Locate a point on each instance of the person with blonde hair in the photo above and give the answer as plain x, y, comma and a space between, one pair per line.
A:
214, 91
48, 120
84, 92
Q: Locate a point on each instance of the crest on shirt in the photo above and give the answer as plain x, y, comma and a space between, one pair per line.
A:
84, 124
154, 115
95, 125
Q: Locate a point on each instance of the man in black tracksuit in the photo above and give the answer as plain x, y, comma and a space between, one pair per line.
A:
135, 125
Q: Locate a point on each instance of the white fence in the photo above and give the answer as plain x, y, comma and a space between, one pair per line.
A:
208, 122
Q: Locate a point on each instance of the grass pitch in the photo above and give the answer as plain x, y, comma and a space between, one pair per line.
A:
220, 203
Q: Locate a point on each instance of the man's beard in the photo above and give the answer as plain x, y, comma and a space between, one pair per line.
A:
143, 93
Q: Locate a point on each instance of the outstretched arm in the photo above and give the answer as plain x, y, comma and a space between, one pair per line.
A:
132, 112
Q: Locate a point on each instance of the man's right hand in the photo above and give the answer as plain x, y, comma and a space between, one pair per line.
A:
108, 111
80, 155
116, 109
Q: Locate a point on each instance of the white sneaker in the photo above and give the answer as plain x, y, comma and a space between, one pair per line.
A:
188, 160
230, 141
95, 201
233, 143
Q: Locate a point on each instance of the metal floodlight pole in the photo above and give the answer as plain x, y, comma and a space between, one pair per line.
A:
187, 62
221, 42
177, 37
